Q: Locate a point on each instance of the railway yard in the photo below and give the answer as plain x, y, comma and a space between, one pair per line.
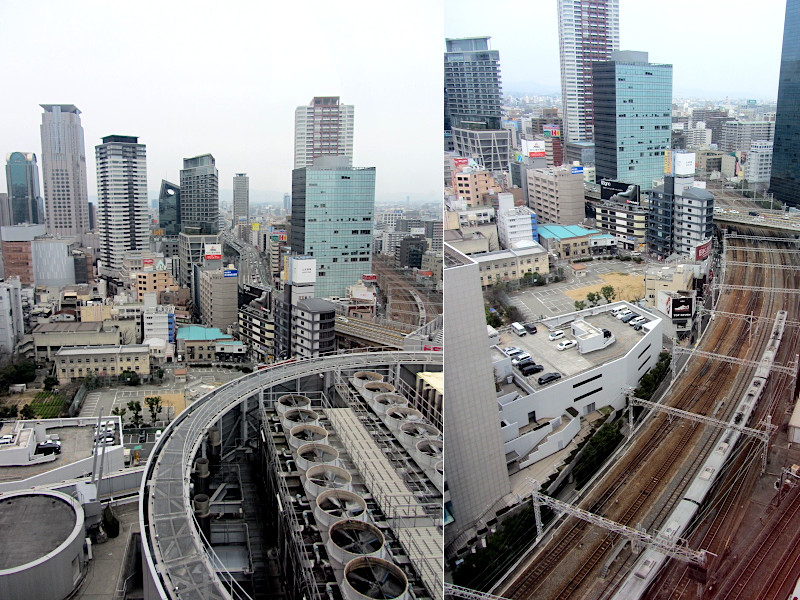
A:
406, 301
749, 529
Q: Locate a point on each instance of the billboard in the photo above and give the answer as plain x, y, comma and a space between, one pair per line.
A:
533, 148
255, 226
303, 269
675, 307
683, 163
577, 170
460, 162
629, 192
703, 251
147, 262
231, 273
369, 277
551, 131
213, 251
668, 162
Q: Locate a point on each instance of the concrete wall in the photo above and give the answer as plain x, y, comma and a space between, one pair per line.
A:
554, 442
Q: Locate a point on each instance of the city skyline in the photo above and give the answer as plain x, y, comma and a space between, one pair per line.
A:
217, 84
706, 68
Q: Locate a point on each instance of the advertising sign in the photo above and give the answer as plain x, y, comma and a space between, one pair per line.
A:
533, 148
683, 163
147, 262
703, 251
668, 163
551, 131
231, 273
213, 251
460, 162
255, 226
610, 188
577, 170
369, 277
682, 307
432, 348
303, 270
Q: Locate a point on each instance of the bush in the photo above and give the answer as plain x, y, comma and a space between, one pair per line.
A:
599, 448
247, 370
649, 383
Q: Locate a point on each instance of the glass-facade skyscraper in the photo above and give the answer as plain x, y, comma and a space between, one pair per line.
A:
169, 209
333, 208
785, 176
471, 83
24, 201
199, 211
632, 118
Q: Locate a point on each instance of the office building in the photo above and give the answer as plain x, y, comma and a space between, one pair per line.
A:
588, 32
556, 195
169, 209
241, 197
122, 216
333, 208
472, 102
515, 223
471, 84
323, 128
409, 252
12, 325
632, 118
64, 170
287, 203
195, 251
785, 175
471, 184
24, 203
477, 477
738, 135
759, 162
199, 195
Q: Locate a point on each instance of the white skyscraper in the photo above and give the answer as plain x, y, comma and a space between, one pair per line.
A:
64, 170
241, 197
323, 128
587, 32
121, 199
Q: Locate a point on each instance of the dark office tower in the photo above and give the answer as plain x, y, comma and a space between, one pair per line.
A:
24, 202
64, 170
588, 31
169, 209
199, 211
785, 178
632, 118
472, 102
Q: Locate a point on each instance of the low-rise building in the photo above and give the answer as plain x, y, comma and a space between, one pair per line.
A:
49, 338
626, 222
512, 265
199, 344
574, 241
102, 361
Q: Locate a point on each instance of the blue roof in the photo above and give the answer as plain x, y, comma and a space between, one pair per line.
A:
564, 232
196, 332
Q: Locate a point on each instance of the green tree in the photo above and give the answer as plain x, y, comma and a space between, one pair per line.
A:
130, 378
593, 298
119, 412
580, 304
154, 406
492, 318
514, 314
50, 382
136, 410
608, 292
27, 412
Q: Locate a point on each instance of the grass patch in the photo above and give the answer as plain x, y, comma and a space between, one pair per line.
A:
48, 405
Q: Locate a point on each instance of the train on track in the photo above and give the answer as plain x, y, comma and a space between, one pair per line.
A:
651, 561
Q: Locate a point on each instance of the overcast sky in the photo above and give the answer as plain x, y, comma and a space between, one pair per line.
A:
717, 48
189, 78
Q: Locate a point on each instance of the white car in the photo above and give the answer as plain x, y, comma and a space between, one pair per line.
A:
7, 439
511, 350
624, 313
519, 358
637, 321
563, 345
556, 335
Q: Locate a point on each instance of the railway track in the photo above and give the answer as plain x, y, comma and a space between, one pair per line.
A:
638, 488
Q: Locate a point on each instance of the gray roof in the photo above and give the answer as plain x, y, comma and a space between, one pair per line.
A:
316, 305
697, 194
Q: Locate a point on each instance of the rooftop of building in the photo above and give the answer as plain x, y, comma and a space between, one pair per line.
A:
570, 362
70, 327
316, 305
564, 232
198, 333
512, 253
105, 350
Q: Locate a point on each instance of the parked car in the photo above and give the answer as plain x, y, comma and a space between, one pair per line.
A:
624, 313
511, 350
565, 344
7, 439
556, 335
523, 363
549, 378
48, 447
520, 357
531, 369
638, 321
142, 437
629, 317
530, 327
637, 327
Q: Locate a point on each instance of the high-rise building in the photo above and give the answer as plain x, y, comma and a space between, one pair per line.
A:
323, 128
587, 32
199, 195
64, 170
122, 217
632, 118
12, 326
738, 135
785, 176
287, 203
169, 209
556, 195
241, 197
472, 102
24, 203
471, 83
333, 206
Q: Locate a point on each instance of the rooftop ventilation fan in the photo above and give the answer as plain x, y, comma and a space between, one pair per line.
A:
333, 506
326, 477
312, 454
375, 579
290, 401
353, 539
